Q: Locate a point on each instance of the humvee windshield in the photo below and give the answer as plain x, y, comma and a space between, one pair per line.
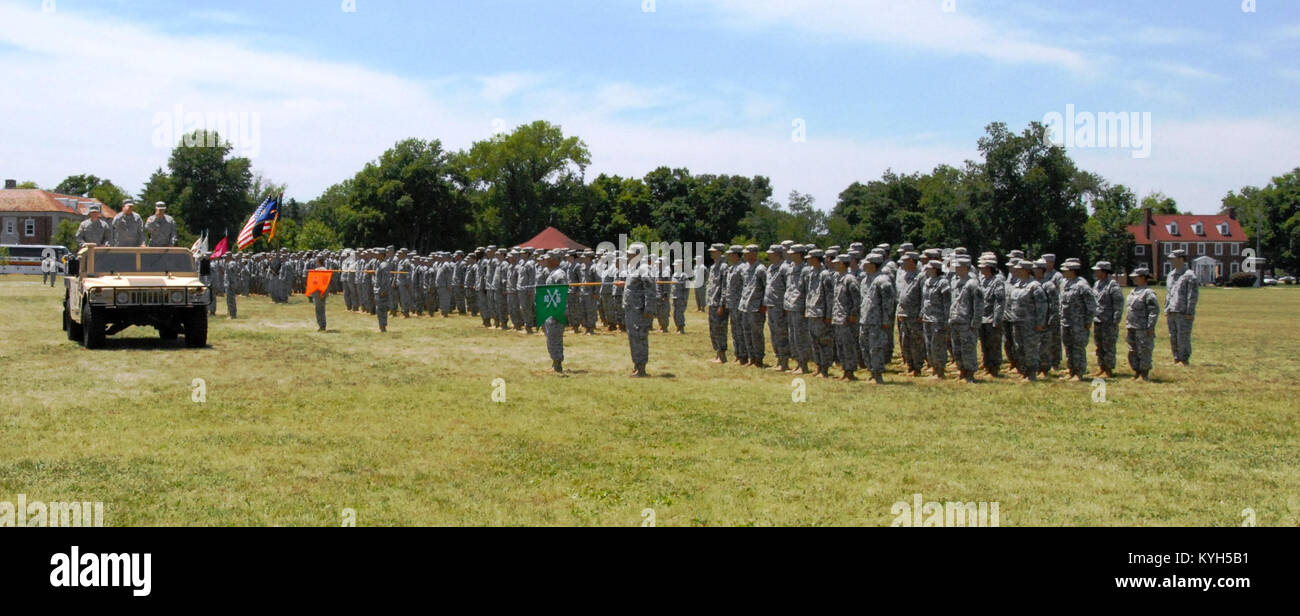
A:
131, 262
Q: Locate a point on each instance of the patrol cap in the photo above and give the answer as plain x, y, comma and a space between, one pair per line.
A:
934, 265
1103, 266
933, 253
876, 258
1142, 271
776, 249
1178, 254
1040, 264
906, 247
799, 248
717, 248
858, 246
1025, 264
94, 207
160, 206
735, 249
751, 248
907, 256
960, 250
816, 253
787, 243
836, 248
1048, 257
1072, 264
884, 247
961, 262
1019, 254
390, 249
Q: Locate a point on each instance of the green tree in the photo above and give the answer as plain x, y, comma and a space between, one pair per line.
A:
66, 235
1271, 215
1106, 236
522, 177
411, 196
210, 189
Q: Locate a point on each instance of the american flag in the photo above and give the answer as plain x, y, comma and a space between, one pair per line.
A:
262, 222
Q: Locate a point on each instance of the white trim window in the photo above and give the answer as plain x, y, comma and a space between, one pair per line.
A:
1140, 250
1167, 269
1218, 249
9, 226
1172, 228
1235, 267
1200, 248
1198, 228
29, 227
1224, 229
1236, 249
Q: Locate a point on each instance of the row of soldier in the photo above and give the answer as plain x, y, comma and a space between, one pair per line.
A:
828, 307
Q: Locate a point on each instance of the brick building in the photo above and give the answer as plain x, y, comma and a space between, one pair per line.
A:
31, 216
1217, 237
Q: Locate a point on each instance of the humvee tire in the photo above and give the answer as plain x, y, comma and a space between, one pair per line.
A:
92, 326
196, 327
168, 333
72, 327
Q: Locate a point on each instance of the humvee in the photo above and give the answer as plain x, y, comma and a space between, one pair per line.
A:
108, 289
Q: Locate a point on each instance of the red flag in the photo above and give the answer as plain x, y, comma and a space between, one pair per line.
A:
221, 249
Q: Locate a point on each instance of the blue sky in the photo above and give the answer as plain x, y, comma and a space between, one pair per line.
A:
718, 86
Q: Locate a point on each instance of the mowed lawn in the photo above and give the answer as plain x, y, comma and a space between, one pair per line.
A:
402, 428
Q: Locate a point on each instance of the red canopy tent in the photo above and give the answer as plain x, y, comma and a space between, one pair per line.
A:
550, 239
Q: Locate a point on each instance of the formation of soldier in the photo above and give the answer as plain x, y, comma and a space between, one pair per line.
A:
127, 228
944, 311
842, 307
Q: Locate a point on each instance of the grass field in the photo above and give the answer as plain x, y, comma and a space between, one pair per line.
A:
402, 428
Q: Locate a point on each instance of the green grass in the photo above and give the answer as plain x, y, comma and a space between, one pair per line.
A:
402, 428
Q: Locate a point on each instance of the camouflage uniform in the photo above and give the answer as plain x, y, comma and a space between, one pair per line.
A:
1110, 310
774, 299
818, 289
1143, 314
935, 300
98, 232
735, 318
965, 316
1181, 294
162, 230
681, 294
383, 289
876, 322
845, 303
1078, 309
717, 300
754, 288
993, 312
554, 329
1028, 307
911, 334
640, 301
795, 304
128, 229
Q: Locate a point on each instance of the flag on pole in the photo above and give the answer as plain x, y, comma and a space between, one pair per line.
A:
223, 247
200, 246
262, 222
318, 280
551, 299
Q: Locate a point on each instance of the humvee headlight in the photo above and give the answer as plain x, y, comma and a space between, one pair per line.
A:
123, 297
178, 296
198, 294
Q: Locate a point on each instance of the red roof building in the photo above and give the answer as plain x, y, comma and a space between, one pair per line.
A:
31, 216
1217, 237
551, 238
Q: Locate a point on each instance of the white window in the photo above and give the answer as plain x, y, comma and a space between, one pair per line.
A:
1200, 248
1140, 250
1198, 228
1236, 249
1224, 229
1172, 228
1235, 266
29, 227
1218, 249
9, 226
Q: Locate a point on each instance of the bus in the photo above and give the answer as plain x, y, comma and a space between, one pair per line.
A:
26, 258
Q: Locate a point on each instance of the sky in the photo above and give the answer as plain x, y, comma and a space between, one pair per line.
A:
813, 94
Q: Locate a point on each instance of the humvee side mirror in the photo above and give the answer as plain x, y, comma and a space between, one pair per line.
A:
74, 266
205, 266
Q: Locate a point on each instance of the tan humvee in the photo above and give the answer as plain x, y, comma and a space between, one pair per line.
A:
109, 289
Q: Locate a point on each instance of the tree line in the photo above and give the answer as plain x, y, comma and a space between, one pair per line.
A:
1022, 192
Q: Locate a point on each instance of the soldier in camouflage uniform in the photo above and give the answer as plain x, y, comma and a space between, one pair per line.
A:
94, 229
716, 304
753, 311
384, 285
911, 332
1078, 309
845, 304
818, 288
794, 303
161, 227
773, 302
590, 292
1143, 314
1027, 306
1049, 349
1110, 311
735, 285
700, 275
527, 279
876, 315
681, 294
965, 315
640, 301
318, 297
554, 329
1181, 294
993, 290
936, 298
128, 227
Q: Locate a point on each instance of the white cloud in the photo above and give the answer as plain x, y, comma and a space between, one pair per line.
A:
919, 24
